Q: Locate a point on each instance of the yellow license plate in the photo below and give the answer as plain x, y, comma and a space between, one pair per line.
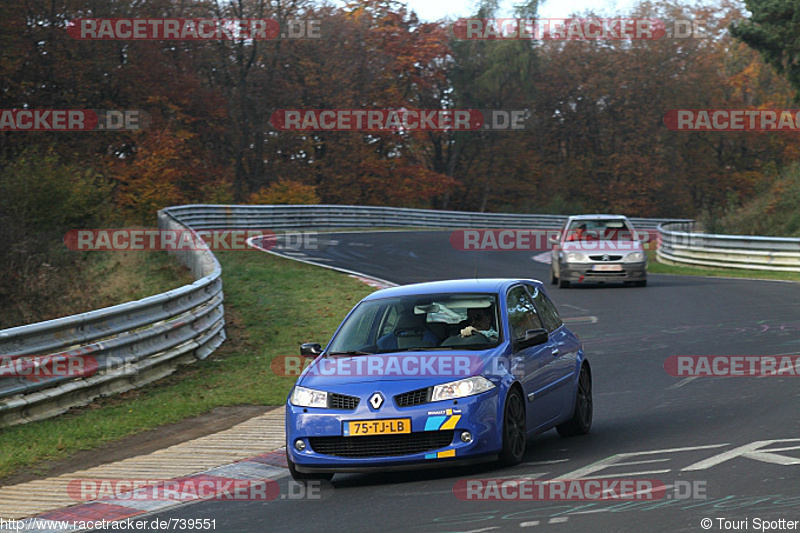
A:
389, 426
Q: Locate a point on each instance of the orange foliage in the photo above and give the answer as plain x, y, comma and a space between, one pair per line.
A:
285, 192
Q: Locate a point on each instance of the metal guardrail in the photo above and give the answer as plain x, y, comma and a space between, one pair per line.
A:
277, 217
681, 245
135, 343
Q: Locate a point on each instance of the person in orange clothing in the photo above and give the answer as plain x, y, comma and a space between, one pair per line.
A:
578, 234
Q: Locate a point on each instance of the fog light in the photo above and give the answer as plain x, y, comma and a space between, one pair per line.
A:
299, 445
466, 437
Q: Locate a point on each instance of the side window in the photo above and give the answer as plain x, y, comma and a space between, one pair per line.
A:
547, 308
522, 314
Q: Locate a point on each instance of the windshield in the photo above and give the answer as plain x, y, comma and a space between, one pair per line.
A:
600, 229
419, 322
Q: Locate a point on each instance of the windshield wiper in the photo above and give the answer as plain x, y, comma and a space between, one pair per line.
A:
351, 352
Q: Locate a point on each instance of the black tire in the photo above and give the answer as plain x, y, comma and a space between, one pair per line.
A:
302, 476
581, 421
642, 283
515, 436
563, 284
553, 278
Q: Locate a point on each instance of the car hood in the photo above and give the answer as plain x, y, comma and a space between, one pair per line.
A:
602, 247
424, 368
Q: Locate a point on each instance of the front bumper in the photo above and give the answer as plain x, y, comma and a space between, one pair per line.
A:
435, 438
588, 271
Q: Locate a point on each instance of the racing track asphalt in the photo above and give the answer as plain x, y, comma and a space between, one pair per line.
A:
712, 434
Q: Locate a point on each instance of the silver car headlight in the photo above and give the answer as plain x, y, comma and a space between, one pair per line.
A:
634, 257
576, 258
461, 388
303, 397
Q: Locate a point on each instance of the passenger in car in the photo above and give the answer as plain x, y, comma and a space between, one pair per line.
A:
578, 234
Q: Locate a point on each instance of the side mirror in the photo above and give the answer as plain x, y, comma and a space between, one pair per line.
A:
310, 349
533, 337
554, 240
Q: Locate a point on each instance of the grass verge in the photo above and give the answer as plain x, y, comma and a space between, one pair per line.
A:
85, 281
272, 304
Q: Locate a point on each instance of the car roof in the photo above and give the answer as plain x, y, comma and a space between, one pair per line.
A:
477, 285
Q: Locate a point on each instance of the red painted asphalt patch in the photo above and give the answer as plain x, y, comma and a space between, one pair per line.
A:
91, 511
276, 458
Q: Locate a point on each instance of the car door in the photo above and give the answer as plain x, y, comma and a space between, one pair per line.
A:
564, 348
556, 247
534, 364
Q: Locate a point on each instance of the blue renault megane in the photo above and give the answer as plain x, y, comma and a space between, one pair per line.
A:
437, 374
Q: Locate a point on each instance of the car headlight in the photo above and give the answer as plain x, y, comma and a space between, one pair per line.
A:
303, 397
461, 388
576, 258
634, 257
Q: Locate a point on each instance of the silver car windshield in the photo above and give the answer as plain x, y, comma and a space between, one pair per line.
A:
600, 229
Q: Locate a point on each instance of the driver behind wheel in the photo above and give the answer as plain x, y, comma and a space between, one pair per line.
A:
480, 321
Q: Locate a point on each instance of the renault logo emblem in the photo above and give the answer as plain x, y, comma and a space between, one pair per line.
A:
376, 400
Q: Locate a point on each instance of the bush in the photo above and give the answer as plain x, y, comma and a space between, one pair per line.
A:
285, 192
772, 212
41, 198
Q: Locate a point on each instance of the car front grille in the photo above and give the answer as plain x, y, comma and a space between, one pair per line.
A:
612, 274
605, 257
340, 401
382, 445
415, 397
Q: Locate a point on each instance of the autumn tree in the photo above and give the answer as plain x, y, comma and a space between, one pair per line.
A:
774, 30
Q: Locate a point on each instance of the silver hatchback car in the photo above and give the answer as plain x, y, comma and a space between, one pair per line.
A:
597, 248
